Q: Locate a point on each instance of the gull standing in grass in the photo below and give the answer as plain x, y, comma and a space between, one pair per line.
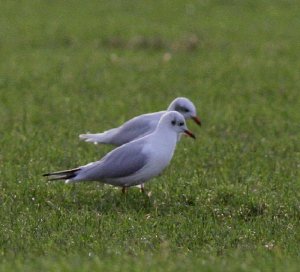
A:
135, 162
141, 125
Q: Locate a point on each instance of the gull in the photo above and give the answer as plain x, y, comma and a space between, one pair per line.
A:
135, 162
141, 125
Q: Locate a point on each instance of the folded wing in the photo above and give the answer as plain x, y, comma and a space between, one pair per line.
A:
121, 162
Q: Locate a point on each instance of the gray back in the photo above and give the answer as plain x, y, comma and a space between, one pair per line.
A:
121, 162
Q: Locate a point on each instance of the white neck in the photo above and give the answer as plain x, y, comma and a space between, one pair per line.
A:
166, 136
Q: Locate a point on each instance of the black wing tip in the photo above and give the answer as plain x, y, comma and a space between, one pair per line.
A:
67, 174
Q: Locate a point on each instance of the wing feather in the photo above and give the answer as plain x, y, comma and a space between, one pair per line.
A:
121, 162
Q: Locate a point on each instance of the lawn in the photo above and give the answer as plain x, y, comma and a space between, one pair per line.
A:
229, 201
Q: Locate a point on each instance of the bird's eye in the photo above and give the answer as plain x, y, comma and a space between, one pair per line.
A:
181, 124
173, 122
186, 110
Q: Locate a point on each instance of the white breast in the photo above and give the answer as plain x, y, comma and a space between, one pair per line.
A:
159, 152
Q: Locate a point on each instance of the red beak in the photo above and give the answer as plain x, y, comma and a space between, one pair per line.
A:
197, 120
189, 133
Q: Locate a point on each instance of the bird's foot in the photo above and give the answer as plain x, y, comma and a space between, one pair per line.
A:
143, 191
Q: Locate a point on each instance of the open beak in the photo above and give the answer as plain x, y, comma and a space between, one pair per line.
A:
189, 133
197, 120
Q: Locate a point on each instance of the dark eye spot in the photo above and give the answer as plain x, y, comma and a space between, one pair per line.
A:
186, 110
181, 124
173, 122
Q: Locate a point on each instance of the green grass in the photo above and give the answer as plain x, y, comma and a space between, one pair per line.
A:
229, 201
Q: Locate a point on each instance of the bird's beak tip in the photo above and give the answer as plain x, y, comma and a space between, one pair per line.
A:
189, 133
197, 120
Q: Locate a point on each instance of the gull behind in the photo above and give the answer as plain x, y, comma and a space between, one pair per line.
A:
142, 125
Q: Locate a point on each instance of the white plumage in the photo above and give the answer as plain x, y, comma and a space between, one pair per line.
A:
141, 125
136, 162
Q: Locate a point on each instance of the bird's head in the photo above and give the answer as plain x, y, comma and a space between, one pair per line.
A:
175, 121
186, 108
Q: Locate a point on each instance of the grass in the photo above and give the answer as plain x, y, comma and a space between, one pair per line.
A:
228, 202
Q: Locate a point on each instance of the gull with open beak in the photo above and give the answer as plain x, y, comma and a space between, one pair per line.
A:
135, 162
142, 125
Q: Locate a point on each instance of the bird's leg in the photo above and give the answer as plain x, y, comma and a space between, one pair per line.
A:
124, 190
143, 191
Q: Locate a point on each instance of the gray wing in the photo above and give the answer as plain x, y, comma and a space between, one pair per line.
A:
121, 162
136, 128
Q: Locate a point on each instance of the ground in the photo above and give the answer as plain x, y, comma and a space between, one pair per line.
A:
229, 201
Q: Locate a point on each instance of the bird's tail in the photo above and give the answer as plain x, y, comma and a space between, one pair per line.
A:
92, 138
98, 138
65, 175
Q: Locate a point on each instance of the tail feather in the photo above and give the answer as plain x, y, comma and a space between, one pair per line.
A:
92, 138
66, 174
105, 137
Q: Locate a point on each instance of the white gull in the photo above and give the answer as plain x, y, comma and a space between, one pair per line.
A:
141, 125
135, 162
